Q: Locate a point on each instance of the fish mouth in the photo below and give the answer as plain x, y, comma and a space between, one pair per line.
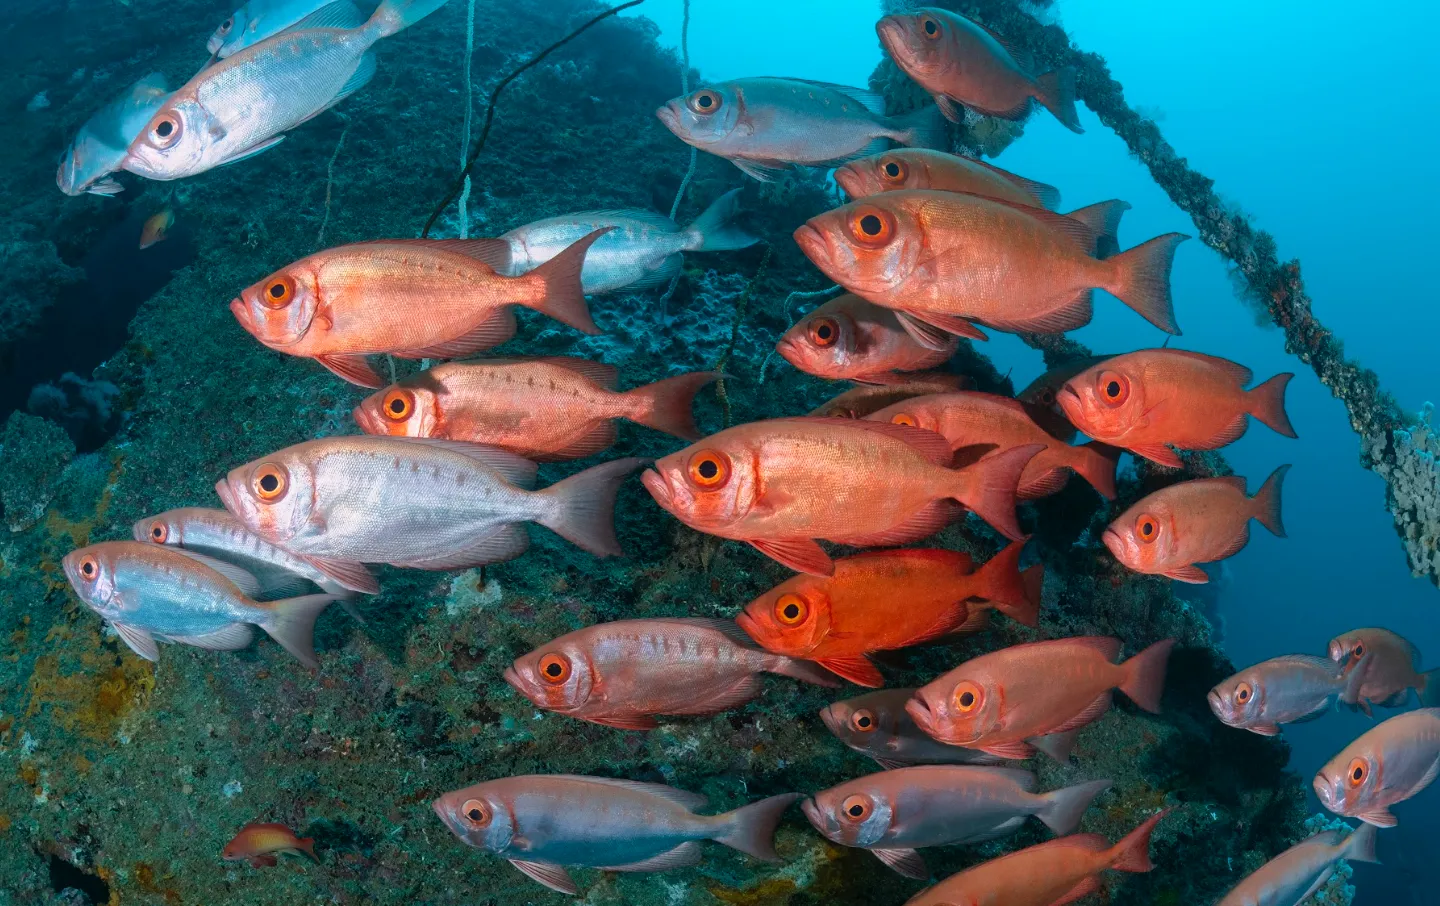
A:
1114, 542
227, 498
367, 422
1325, 791
748, 625
241, 311
831, 720
667, 115
812, 243
659, 488
849, 180
891, 33
919, 712
816, 818
517, 682
1217, 706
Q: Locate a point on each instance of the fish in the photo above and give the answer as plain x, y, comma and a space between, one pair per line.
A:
923, 168
98, 149
859, 402
244, 104
642, 249
262, 844
149, 594
416, 503
157, 227
1390, 763
848, 338
1166, 533
1386, 668
541, 823
893, 813
1282, 690
342, 304
876, 724
766, 125
1040, 396
257, 20
544, 409
959, 61
1037, 695
1155, 399
780, 484
1047, 874
1291, 877
622, 674
978, 423
838, 621
944, 260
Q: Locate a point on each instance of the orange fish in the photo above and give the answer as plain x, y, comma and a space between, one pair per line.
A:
962, 62
859, 402
921, 168
1388, 667
544, 409
943, 260
781, 484
414, 298
1041, 396
156, 228
977, 423
848, 338
1036, 696
1052, 873
883, 600
260, 844
1154, 399
1200, 521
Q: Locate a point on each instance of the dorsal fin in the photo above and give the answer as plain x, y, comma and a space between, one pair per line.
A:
1022, 57
492, 252
1047, 195
1235, 369
599, 373
1106, 645
932, 446
340, 14
866, 98
1077, 231
249, 586
683, 798
517, 470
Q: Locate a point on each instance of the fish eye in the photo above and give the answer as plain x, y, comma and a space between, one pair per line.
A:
270, 481
476, 812
554, 668
872, 227
710, 469
1147, 528
931, 28
1357, 772
791, 609
165, 132
279, 292
705, 102
903, 418
1114, 387
89, 568
856, 808
1243, 692
1359, 651
967, 697
894, 170
398, 405
824, 332
1047, 397
862, 720
159, 531
227, 25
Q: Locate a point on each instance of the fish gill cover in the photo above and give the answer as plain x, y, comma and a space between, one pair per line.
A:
128, 779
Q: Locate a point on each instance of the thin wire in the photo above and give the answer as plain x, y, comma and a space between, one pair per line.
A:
684, 92
469, 107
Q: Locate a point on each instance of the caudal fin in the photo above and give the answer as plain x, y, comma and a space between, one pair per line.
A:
924, 128
988, 487
1103, 218
392, 16
1360, 845
563, 296
1267, 403
804, 671
712, 231
1267, 502
1145, 675
583, 510
1140, 277
1001, 583
292, 623
751, 829
665, 405
1057, 93
1133, 852
1063, 809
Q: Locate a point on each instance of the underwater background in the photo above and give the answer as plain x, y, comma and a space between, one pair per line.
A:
124, 779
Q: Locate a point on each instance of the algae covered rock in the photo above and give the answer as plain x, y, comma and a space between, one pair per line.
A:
33, 454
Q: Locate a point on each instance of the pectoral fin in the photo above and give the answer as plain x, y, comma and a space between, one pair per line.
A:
906, 861
552, 876
251, 151
140, 641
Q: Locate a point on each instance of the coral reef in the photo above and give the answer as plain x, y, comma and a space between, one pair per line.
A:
33, 453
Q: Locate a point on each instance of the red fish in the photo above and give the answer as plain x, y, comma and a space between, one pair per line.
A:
861, 401
920, 168
848, 338
1384, 668
261, 844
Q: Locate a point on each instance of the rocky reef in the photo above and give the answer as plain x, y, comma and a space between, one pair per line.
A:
125, 779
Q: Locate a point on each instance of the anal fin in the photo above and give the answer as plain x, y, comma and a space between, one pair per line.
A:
251, 151
494, 330
686, 854
1158, 453
227, 638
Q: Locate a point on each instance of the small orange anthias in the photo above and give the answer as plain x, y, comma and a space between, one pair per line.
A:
883, 600
1036, 696
1200, 521
262, 844
1155, 399
848, 338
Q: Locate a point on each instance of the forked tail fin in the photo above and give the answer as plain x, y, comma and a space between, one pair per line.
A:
584, 506
751, 829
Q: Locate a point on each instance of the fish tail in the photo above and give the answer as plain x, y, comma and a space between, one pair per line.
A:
583, 510
1133, 852
665, 405
563, 296
805, 671
1104, 218
1001, 583
1056, 90
393, 16
1140, 277
751, 828
712, 231
291, 622
1267, 502
1267, 403
1428, 688
923, 128
1062, 809
1360, 845
1096, 463
988, 487
1145, 675
306, 845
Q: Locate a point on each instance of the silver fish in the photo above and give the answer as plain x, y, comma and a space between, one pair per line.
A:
894, 812
99, 147
245, 103
147, 593
543, 822
1282, 690
876, 724
643, 248
1302, 869
1388, 764
767, 124
257, 20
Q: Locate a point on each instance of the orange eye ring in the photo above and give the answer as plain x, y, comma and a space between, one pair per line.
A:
554, 668
823, 332
278, 292
1357, 773
1243, 692
709, 469
165, 131
1113, 387
903, 418
856, 808
89, 568
475, 813
872, 227
159, 532
893, 170
791, 609
705, 102
967, 697
862, 721
1358, 652
270, 481
1147, 528
398, 405
930, 29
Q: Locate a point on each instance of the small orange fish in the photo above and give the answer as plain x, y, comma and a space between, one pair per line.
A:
837, 622
156, 228
921, 168
781, 484
261, 844
1036, 696
1192, 522
1388, 667
1041, 396
1049, 874
544, 409
1155, 399
861, 401
848, 338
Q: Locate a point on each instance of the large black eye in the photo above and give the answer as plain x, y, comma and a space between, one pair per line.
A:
704, 102
892, 169
227, 25
967, 699
870, 225
1359, 651
164, 128
932, 28
707, 469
